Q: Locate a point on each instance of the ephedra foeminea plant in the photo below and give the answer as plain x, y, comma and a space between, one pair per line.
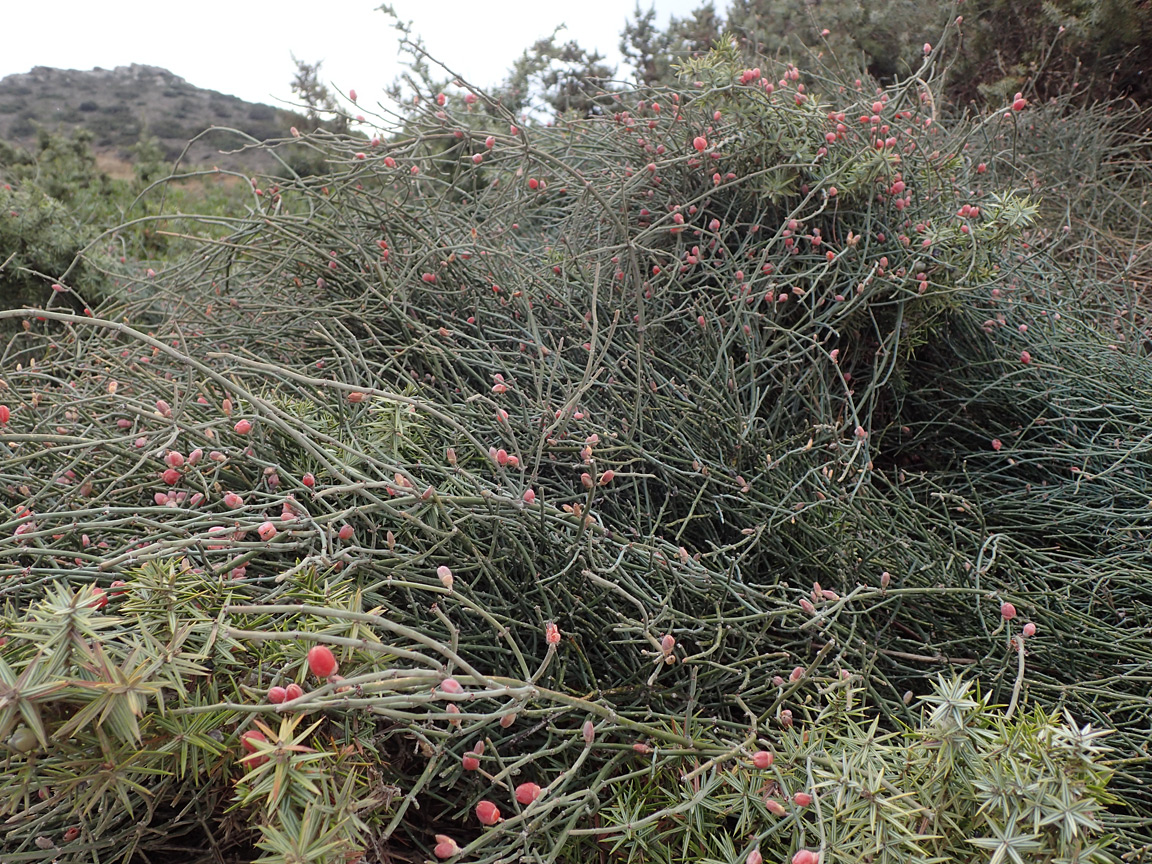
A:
624, 428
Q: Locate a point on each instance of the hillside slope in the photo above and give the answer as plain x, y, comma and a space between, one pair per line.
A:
122, 105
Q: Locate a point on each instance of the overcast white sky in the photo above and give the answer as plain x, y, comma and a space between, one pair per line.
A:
245, 47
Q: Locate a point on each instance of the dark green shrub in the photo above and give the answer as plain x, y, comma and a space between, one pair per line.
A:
40, 240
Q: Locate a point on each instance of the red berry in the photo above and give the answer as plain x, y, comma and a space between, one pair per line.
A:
171, 476
488, 813
5, 414
802, 799
242, 427
446, 847
309, 480
806, 856
754, 857
249, 737
293, 691
526, 793
233, 501
346, 532
1025, 357
470, 762
451, 685
700, 142
763, 759
100, 599
1030, 629
356, 396
276, 695
174, 459
266, 531
1007, 611
322, 661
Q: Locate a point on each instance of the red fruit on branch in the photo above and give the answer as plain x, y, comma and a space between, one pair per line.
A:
249, 738
322, 661
293, 691
488, 813
763, 759
5, 415
242, 427
526, 793
276, 695
451, 685
802, 799
266, 531
1007, 611
171, 476
446, 847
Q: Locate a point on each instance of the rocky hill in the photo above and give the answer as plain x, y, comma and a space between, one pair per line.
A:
120, 106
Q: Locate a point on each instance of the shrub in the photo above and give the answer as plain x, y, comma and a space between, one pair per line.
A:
662, 438
40, 241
